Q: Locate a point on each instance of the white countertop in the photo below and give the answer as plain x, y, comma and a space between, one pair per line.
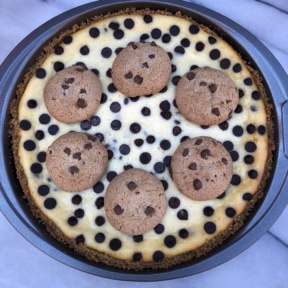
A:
265, 264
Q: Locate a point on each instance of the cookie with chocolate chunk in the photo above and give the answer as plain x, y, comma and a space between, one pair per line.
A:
202, 168
135, 202
72, 94
141, 69
76, 161
206, 96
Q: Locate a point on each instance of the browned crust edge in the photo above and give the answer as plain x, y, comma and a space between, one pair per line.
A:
92, 254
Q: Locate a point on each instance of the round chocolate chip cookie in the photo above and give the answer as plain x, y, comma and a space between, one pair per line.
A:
202, 168
76, 161
72, 94
206, 96
141, 69
135, 202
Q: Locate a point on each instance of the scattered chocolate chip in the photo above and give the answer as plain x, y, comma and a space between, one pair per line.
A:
205, 153
185, 152
138, 79
131, 185
149, 210
182, 214
67, 151
128, 75
134, 46
151, 56
215, 111
118, 210
197, 184
73, 170
212, 88
81, 103
145, 64
192, 166
153, 43
203, 83
77, 156
82, 90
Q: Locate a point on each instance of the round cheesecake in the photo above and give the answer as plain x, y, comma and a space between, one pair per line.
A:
142, 132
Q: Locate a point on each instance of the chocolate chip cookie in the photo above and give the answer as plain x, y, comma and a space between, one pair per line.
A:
141, 69
135, 202
72, 94
76, 161
206, 96
202, 168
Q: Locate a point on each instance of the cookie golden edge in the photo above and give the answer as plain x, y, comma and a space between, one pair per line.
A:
96, 256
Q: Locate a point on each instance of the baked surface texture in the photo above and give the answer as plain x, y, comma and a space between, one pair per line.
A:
142, 132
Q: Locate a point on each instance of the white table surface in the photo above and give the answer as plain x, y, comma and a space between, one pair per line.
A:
265, 264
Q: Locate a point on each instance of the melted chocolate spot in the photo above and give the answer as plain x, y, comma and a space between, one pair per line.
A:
73, 170
205, 153
149, 210
131, 185
138, 79
118, 210
197, 184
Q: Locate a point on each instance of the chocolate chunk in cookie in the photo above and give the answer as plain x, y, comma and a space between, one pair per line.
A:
73, 94
206, 96
135, 202
202, 168
141, 69
76, 161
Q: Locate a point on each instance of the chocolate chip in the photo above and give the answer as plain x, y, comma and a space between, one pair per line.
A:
134, 46
215, 111
212, 88
224, 160
82, 91
65, 87
203, 83
91, 138
138, 79
151, 56
149, 210
174, 202
182, 214
118, 210
153, 43
67, 151
77, 156
192, 166
205, 153
198, 141
69, 80
80, 70
197, 184
128, 75
185, 152
190, 76
73, 170
81, 103
131, 185
145, 64
88, 146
